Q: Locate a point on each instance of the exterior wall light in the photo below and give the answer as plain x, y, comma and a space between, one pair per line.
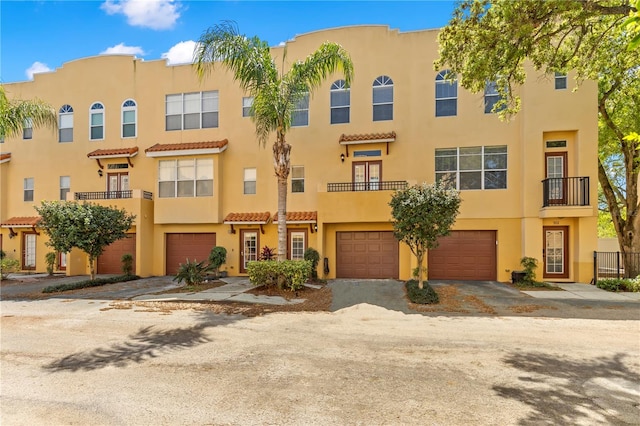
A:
100, 172
342, 157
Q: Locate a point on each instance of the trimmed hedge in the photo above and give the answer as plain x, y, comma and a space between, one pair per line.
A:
621, 284
89, 283
289, 274
424, 296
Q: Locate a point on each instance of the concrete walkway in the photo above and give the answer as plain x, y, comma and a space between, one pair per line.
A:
583, 291
233, 291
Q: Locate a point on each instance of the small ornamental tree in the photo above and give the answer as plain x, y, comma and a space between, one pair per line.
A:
421, 214
88, 227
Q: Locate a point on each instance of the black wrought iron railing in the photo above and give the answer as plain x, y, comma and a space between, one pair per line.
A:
570, 191
390, 185
615, 264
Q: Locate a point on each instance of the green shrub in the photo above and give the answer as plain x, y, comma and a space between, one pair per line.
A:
620, 284
313, 256
89, 283
192, 273
50, 260
288, 274
424, 296
529, 264
217, 258
127, 264
8, 266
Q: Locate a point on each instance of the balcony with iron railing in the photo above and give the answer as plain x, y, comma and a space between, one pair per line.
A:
134, 201
112, 195
357, 202
568, 196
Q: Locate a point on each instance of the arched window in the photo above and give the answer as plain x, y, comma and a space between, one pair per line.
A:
446, 94
65, 124
96, 121
340, 102
382, 98
129, 118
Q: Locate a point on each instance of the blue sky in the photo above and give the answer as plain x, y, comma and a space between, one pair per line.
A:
39, 36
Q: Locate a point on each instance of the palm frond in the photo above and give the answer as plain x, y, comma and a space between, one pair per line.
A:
15, 113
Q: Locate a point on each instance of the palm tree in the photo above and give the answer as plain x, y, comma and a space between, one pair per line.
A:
275, 92
15, 113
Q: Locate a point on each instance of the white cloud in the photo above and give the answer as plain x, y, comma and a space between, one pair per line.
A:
181, 53
154, 14
121, 49
36, 67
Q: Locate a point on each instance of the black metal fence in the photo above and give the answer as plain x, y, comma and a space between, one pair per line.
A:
612, 264
570, 191
391, 185
106, 195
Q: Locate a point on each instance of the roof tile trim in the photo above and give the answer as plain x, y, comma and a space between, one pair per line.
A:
189, 145
248, 218
124, 152
367, 137
21, 221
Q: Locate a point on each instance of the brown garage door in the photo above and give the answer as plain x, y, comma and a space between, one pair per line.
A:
110, 261
366, 254
181, 247
464, 255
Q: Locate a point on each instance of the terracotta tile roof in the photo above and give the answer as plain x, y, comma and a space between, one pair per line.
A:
124, 152
247, 217
189, 145
299, 217
5, 156
21, 221
367, 137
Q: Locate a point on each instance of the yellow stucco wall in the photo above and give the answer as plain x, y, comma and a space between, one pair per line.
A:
516, 212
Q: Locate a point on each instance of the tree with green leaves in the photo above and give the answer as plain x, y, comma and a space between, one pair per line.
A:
88, 227
421, 214
14, 114
275, 91
491, 40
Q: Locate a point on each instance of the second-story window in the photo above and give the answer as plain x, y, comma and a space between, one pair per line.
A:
96, 121
560, 81
247, 102
27, 129
185, 178
65, 187
65, 125
382, 99
129, 118
446, 94
340, 102
491, 96
300, 114
297, 178
28, 189
250, 177
197, 110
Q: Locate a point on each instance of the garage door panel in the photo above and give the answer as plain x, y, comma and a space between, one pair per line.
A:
366, 254
183, 246
464, 255
110, 261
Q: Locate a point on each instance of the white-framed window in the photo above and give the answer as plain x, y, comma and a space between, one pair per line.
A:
340, 102
250, 177
560, 80
65, 124
491, 96
382, 98
28, 189
198, 110
446, 95
129, 118
185, 178
476, 167
300, 114
27, 129
96, 121
297, 244
65, 187
297, 178
247, 103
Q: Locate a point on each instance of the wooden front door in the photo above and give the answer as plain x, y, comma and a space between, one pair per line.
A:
249, 245
556, 252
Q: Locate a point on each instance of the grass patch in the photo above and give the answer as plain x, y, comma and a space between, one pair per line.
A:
423, 296
89, 283
523, 285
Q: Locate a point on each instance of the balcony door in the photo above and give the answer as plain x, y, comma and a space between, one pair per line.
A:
556, 172
367, 175
117, 182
